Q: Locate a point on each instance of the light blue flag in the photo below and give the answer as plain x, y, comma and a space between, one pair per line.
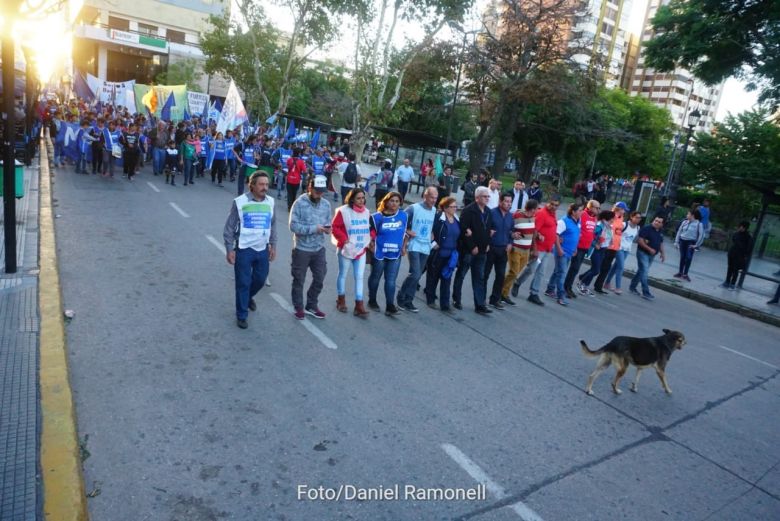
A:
272, 119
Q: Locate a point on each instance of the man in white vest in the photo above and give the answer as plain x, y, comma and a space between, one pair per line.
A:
250, 242
420, 232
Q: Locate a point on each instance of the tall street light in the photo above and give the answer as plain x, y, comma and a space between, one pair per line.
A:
455, 97
693, 121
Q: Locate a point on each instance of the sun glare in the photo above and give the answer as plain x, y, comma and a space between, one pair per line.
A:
50, 41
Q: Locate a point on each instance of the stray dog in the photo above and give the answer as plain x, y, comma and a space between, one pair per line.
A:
640, 352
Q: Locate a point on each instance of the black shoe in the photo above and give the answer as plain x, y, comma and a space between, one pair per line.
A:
515, 289
497, 305
483, 310
570, 294
372, 304
411, 308
508, 301
601, 292
252, 304
242, 323
432, 305
536, 300
391, 310
457, 306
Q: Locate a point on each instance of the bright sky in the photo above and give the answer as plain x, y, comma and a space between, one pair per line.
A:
735, 98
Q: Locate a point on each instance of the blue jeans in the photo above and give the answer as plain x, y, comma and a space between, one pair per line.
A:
158, 160
189, 171
559, 274
358, 267
251, 270
475, 263
232, 164
644, 261
416, 262
388, 267
403, 188
617, 268
536, 283
595, 266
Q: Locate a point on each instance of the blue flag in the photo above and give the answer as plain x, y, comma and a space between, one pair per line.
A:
315, 141
81, 88
272, 119
290, 131
186, 115
165, 114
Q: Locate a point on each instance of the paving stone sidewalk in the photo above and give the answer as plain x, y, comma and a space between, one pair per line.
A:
20, 480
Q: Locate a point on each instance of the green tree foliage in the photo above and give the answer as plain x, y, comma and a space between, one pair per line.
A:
743, 148
646, 127
184, 72
716, 39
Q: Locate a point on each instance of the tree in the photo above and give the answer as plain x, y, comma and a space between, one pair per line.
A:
528, 36
380, 68
716, 39
184, 72
251, 57
743, 147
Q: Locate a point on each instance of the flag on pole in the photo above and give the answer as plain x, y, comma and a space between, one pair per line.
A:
233, 112
150, 100
438, 168
315, 141
186, 114
290, 135
81, 88
165, 114
272, 119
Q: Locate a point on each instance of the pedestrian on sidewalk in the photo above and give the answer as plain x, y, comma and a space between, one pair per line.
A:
250, 242
309, 223
690, 236
627, 239
738, 254
351, 235
651, 243
388, 245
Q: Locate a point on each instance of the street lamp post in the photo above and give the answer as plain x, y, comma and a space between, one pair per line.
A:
455, 97
9, 135
693, 121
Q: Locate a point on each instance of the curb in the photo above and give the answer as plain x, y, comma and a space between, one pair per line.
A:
64, 498
710, 301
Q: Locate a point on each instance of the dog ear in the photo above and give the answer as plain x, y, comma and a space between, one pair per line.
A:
666, 331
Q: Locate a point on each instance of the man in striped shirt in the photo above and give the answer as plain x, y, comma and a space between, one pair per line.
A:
522, 246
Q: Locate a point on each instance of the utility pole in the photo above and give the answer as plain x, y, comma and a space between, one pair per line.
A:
9, 135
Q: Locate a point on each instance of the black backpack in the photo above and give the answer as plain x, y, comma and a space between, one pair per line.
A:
350, 174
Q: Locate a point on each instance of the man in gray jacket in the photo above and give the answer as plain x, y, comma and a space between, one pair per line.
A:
310, 224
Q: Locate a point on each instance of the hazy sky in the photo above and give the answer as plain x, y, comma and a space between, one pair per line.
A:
734, 99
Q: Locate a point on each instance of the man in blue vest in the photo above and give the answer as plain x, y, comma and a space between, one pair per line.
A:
419, 230
250, 243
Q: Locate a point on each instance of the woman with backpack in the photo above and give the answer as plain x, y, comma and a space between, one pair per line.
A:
690, 236
383, 182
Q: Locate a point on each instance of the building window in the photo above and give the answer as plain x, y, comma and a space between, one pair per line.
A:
607, 29
175, 36
118, 23
611, 14
150, 30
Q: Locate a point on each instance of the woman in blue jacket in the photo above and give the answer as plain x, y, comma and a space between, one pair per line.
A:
444, 257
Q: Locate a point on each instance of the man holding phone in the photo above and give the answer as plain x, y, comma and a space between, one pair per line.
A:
310, 224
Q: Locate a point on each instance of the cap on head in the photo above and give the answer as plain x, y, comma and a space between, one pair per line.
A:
320, 184
623, 206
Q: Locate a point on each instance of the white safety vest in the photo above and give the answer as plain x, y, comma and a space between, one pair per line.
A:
254, 221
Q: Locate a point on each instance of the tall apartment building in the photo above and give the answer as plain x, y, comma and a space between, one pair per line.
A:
678, 90
599, 35
138, 39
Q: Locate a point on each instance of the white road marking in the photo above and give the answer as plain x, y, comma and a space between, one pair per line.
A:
479, 475
750, 357
215, 242
176, 207
314, 330
151, 185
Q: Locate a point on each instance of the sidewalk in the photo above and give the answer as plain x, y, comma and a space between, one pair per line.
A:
20, 479
707, 272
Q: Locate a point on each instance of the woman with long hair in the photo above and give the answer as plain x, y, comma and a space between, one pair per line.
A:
388, 225
627, 238
351, 235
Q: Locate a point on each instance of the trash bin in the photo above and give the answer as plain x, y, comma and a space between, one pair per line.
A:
19, 172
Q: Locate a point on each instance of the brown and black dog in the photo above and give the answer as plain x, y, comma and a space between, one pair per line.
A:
640, 352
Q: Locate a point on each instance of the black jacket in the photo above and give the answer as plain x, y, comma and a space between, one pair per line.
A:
740, 244
479, 223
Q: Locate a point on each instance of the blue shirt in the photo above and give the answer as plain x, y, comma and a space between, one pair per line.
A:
230, 144
653, 237
390, 231
219, 149
503, 225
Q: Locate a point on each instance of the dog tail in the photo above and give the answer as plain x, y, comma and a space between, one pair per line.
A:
587, 351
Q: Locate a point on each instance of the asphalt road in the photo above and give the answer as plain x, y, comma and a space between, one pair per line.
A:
190, 418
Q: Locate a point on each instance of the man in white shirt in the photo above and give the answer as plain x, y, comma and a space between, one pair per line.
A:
495, 193
403, 177
519, 196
